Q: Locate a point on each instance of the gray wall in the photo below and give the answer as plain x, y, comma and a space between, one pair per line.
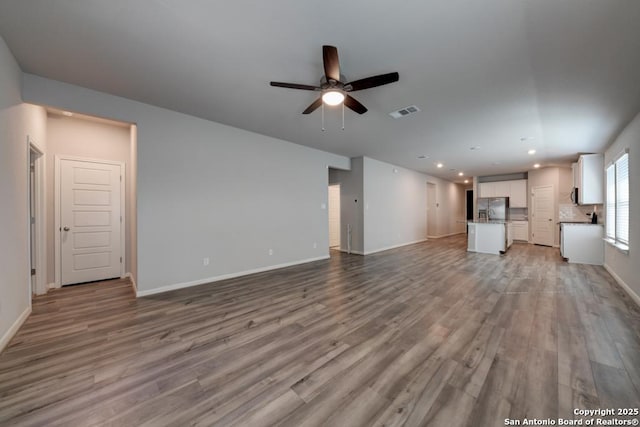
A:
17, 121
77, 137
395, 206
626, 266
351, 213
210, 190
391, 205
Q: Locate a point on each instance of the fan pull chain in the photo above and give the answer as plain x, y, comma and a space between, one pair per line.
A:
343, 116
323, 117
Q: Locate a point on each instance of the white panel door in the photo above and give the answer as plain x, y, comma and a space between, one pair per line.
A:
543, 207
90, 221
334, 215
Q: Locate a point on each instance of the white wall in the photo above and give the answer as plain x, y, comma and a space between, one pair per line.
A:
626, 266
17, 122
79, 137
395, 206
351, 212
391, 207
210, 190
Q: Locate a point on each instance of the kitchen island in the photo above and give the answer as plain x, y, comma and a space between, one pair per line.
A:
489, 237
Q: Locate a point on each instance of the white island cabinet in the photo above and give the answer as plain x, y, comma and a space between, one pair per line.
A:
488, 237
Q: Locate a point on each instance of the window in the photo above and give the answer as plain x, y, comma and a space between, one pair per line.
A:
617, 208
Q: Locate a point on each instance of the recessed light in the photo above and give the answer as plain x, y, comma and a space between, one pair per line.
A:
439, 165
537, 165
67, 113
466, 181
460, 173
531, 152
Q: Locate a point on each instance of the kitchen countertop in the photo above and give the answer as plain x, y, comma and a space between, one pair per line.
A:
578, 223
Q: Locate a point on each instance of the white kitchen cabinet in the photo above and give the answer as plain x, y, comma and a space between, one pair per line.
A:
590, 179
518, 193
516, 190
485, 189
487, 237
582, 243
520, 230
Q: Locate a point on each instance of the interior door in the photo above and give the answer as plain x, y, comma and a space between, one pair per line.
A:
543, 214
90, 221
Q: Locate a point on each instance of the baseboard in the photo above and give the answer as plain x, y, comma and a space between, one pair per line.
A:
224, 277
352, 252
4, 341
387, 248
635, 297
52, 285
133, 282
446, 235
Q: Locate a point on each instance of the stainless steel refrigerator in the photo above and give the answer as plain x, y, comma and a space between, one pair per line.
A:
493, 208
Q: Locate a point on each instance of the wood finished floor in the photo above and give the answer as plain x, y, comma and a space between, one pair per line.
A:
426, 334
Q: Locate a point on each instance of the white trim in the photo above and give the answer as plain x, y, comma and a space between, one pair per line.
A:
56, 203
133, 282
176, 286
353, 252
40, 216
446, 235
394, 246
635, 297
6, 338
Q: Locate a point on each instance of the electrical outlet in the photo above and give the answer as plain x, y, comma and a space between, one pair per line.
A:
270, 251
206, 261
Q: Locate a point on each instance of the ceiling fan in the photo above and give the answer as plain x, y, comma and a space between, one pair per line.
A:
333, 90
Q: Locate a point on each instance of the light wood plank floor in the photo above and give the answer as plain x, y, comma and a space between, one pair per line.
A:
426, 334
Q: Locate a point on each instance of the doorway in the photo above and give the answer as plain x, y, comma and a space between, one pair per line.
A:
543, 214
37, 220
89, 220
334, 216
468, 206
432, 207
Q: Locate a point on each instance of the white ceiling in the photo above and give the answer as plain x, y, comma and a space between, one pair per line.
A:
562, 73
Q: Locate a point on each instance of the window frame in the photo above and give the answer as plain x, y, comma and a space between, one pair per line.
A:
611, 221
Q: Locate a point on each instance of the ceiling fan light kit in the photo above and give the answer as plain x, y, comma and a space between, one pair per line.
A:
334, 91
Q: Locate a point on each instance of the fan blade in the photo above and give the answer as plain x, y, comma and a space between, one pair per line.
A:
311, 108
374, 81
354, 105
294, 86
331, 63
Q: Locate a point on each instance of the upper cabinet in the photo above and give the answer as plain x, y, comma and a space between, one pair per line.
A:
516, 190
518, 193
589, 179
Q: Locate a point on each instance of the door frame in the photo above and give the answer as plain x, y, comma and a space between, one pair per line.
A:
533, 212
435, 203
39, 177
329, 209
57, 217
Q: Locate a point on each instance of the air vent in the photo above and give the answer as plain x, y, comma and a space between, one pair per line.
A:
404, 111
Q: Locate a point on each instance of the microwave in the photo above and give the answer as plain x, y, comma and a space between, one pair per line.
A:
574, 195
